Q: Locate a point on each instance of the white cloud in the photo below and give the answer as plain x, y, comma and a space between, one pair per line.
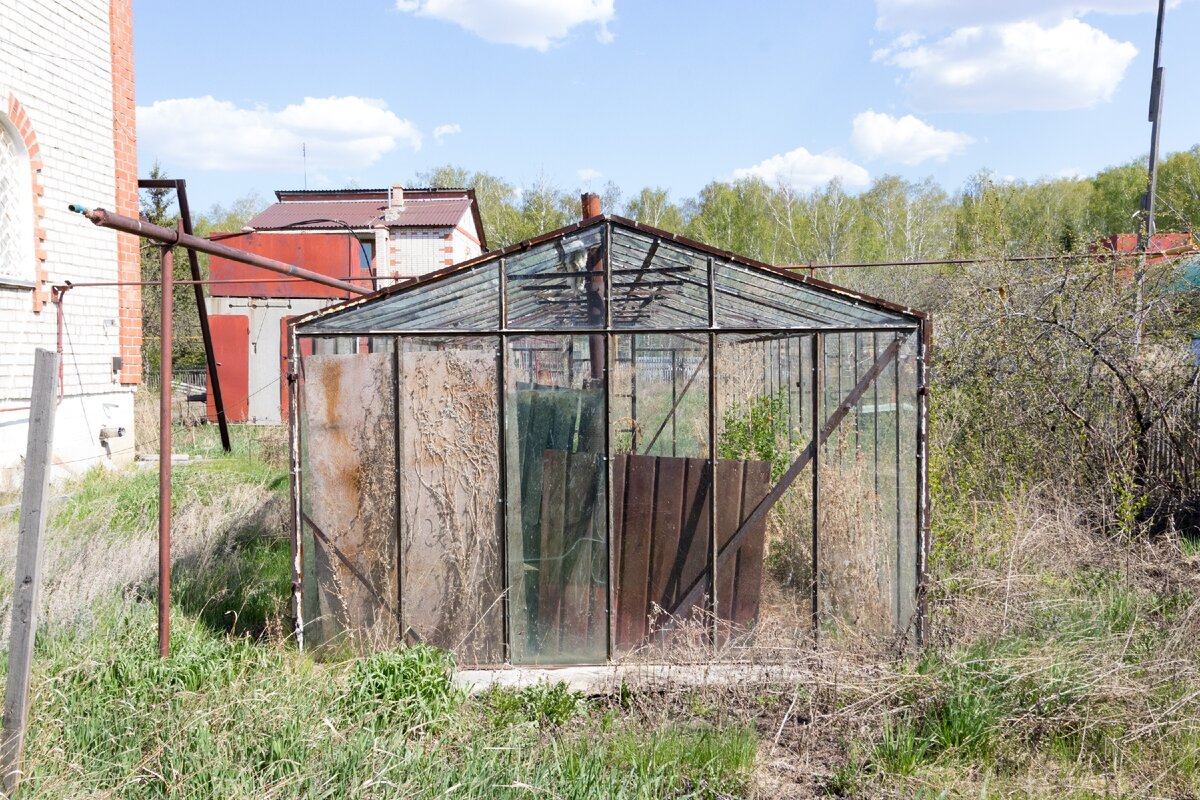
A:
906, 140
941, 14
526, 23
337, 132
805, 171
442, 131
588, 175
1014, 66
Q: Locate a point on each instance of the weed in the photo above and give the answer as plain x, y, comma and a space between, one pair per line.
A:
902, 748
544, 703
411, 687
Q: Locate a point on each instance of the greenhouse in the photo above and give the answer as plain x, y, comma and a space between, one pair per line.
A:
608, 443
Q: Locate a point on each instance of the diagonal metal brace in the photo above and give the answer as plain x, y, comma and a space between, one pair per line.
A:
323, 539
695, 592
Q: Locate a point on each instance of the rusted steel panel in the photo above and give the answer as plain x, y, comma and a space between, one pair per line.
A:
638, 513
665, 555
349, 503
661, 539
451, 575
231, 349
747, 586
729, 514
330, 254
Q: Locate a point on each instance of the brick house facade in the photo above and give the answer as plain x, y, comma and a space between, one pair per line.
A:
67, 135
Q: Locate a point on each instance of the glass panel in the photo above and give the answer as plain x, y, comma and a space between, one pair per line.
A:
856, 546
656, 283
660, 490
755, 298
549, 285
878, 416
348, 502
464, 301
451, 578
556, 499
763, 580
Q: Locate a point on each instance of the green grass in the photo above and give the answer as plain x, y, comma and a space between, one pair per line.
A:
127, 501
245, 592
228, 717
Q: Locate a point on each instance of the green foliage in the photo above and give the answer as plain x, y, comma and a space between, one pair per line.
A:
757, 430
126, 503
410, 687
159, 206
227, 717
653, 206
546, 704
244, 591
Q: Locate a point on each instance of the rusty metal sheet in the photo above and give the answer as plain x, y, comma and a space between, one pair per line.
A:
349, 502
231, 350
451, 574
336, 255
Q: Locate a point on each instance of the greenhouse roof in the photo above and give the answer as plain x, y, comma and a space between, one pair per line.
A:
655, 280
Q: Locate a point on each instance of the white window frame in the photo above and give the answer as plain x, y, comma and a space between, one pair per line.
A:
18, 270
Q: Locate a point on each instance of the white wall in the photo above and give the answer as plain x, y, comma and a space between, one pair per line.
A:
55, 58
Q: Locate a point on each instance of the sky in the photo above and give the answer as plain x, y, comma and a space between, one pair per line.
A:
257, 95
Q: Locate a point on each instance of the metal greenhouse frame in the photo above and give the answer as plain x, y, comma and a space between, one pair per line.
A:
607, 441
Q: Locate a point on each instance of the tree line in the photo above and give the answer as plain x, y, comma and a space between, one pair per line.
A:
894, 219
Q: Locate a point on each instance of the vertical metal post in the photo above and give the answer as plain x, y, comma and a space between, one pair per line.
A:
293, 379
897, 450
210, 356
924, 340
817, 390
398, 488
607, 339
713, 376
164, 453
1146, 228
502, 483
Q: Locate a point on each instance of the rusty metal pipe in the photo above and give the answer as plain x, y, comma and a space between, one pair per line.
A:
157, 233
589, 206
164, 455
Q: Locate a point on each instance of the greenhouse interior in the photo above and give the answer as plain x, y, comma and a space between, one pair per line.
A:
604, 444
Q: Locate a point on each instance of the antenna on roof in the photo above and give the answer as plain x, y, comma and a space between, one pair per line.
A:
304, 158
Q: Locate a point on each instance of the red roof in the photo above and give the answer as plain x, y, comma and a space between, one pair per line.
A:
418, 212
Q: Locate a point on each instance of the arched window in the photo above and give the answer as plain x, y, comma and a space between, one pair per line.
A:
16, 211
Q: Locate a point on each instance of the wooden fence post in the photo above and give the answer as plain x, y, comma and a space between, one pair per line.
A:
27, 582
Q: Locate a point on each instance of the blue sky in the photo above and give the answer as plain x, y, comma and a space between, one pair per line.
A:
651, 92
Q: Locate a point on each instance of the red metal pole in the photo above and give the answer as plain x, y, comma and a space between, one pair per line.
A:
164, 456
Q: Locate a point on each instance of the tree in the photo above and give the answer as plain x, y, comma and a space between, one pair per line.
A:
653, 206
159, 206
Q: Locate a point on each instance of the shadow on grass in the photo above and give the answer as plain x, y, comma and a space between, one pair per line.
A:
242, 589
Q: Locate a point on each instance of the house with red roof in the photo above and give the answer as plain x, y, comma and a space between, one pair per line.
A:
373, 237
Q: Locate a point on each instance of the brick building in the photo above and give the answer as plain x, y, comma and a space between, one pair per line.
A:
372, 236
67, 135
